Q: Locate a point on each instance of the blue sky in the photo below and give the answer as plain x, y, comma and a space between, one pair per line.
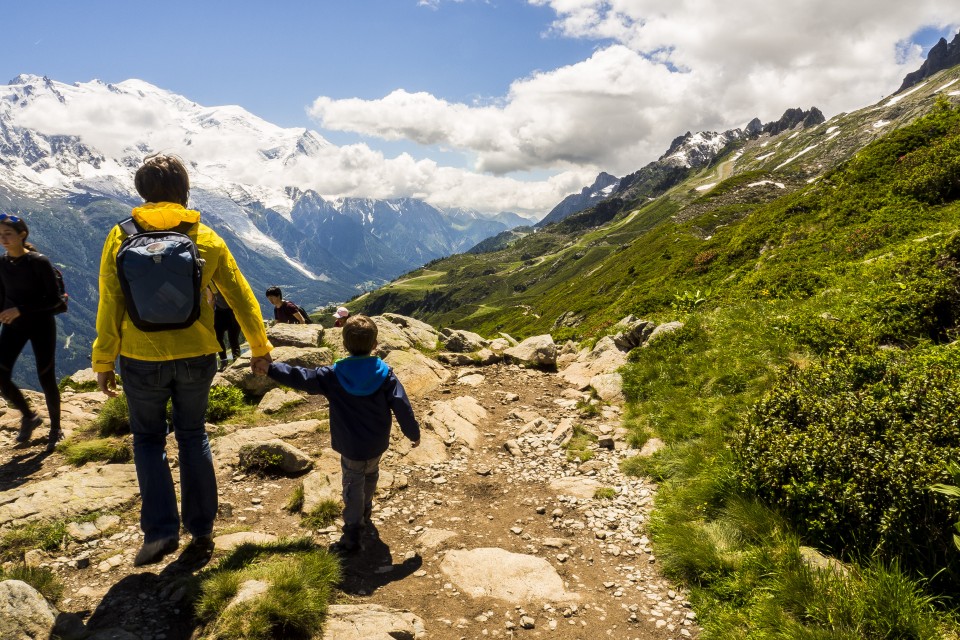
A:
505, 103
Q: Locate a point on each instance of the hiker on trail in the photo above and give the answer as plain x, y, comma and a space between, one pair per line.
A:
284, 311
362, 391
29, 299
160, 365
225, 323
341, 316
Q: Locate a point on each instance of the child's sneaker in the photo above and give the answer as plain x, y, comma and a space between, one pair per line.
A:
27, 425
349, 542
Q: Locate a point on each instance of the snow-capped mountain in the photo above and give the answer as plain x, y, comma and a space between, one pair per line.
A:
601, 189
68, 154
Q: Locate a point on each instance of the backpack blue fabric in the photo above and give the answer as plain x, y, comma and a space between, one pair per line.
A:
160, 273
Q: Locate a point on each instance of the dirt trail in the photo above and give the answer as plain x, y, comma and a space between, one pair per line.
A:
487, 497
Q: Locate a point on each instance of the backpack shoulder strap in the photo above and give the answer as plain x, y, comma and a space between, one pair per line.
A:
183, 227
130, 227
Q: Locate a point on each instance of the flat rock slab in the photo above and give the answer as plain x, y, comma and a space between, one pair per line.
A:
576, 487
419, 374
512, 577
75, 493
456, 420
371, 622
226, 448
233, 540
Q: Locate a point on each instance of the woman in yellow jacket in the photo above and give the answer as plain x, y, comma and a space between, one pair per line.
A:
175, 365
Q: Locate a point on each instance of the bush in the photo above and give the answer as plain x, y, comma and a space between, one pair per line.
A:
42, 579
46, 536
323, 515
114, 418
301, 581
847, 449
224, 401
109, 450
914, 296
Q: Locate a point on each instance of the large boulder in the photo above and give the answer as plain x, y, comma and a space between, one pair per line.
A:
538, 351
604, 358
421, 334
295, 335
662, 330
418, 374
456, 420
400, 332
635, 333
278, 399
241, 376
24, 613
459, 341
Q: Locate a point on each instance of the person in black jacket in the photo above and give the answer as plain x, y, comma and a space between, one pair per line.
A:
363, 391
29, 299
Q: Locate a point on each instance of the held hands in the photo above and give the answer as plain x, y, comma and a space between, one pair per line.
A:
107, 382
261, 364
9, 315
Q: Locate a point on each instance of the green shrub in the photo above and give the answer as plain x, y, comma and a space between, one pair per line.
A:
46, 536
295, 502
67, 383
323, 515
301, 581
914, 295
605, 493
110, 450
224, 401
114, 418
42, 579
847, 448
253, 458
578, 448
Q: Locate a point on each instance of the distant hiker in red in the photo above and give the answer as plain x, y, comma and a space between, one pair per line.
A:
29, 299
341, 316
284, 311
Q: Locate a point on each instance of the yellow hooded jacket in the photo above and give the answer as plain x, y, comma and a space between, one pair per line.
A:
116, 333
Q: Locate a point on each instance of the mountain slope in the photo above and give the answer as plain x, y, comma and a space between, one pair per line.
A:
634, 252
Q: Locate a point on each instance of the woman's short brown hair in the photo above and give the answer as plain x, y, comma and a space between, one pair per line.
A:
359, 335
163, 179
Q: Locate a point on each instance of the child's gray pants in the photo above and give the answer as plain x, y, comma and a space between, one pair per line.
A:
359, 486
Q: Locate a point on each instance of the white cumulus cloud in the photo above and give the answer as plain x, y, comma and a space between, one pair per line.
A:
663, 67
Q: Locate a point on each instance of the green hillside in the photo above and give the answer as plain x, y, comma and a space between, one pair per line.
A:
812, 397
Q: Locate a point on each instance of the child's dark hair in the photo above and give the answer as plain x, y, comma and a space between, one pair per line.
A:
359, 335
20, 226
163, 179
275, 291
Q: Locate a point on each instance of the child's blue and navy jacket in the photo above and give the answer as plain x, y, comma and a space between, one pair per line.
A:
362, 391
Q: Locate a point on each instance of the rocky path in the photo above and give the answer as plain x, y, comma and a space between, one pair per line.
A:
489, 529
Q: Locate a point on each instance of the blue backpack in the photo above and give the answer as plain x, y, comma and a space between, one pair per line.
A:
160, 273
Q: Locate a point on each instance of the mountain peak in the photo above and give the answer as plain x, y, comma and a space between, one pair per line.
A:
941, 56
793, 117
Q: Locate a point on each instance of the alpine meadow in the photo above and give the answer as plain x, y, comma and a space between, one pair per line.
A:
811, 399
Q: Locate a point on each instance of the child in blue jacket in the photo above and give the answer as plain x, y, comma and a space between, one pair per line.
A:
363, 391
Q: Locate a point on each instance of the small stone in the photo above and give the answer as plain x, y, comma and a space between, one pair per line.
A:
527, 622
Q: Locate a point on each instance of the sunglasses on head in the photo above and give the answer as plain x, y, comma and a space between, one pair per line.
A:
7, 218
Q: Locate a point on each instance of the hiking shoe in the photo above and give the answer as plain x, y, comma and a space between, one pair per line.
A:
27, 425
349, 542
152, 552
198, 552
223, 364
56, 435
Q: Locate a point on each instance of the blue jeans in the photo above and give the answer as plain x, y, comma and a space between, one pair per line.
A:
148, 387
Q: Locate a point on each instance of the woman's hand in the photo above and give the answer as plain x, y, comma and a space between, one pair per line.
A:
9, 315
107, 382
